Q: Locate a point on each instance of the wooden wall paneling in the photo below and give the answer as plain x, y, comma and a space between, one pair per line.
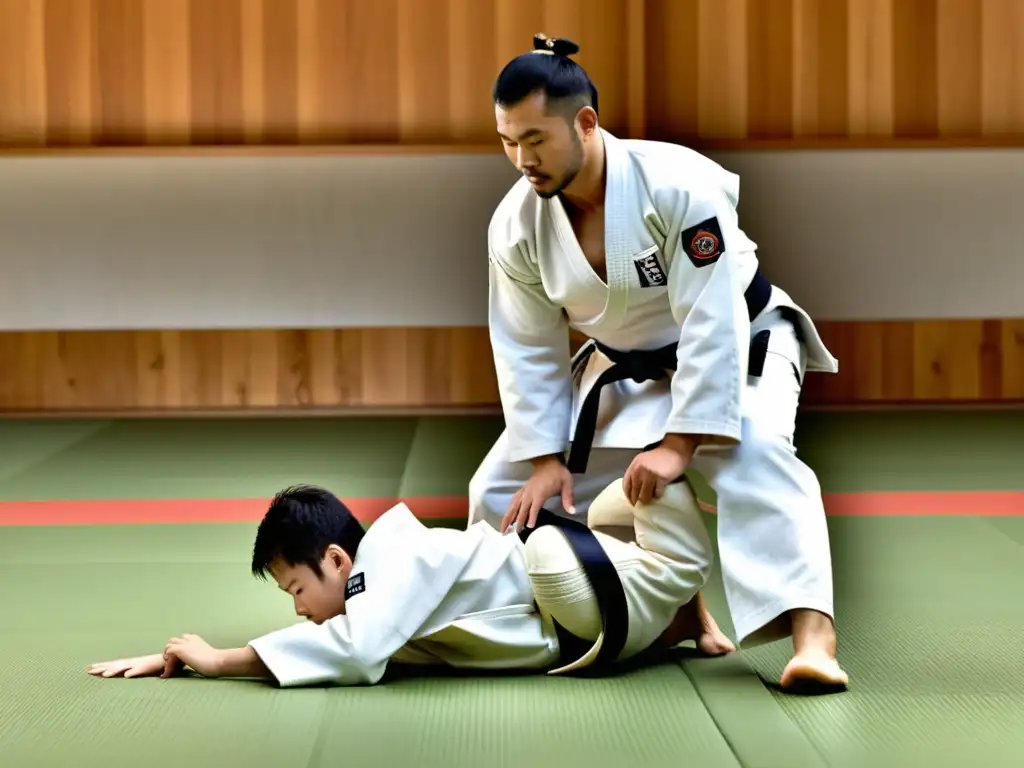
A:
881, 363
922, 361
244, 369
222, 72
821, 92
418, 72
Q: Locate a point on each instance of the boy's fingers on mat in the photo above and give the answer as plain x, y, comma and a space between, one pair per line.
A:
170, 665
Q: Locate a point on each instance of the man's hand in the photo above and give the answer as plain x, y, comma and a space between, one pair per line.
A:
550, 478
652, 470
140, 666
193, 651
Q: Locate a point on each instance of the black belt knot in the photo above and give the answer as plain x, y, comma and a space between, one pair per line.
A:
641, 365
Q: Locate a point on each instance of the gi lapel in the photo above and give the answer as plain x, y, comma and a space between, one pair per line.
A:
617, 245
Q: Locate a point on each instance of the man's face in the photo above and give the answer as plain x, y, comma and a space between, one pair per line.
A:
316, 599
544, 148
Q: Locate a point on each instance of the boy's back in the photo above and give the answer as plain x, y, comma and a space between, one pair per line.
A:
420, 595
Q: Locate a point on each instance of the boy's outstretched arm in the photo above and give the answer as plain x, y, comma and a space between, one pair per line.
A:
191, 651
194, 652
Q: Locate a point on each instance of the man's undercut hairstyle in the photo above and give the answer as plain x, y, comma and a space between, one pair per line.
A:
301, 522
565, 84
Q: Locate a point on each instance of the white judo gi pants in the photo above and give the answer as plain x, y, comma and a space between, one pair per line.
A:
661, 553
772, 534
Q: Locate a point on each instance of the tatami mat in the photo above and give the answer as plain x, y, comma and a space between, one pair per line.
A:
929, 618
929, 632
356, 457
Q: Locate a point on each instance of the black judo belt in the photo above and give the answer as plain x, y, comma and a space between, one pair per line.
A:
652, 365
603, 578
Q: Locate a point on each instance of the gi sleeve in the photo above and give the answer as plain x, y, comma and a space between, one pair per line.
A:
354, 649
530, 338
706, 286
335, 653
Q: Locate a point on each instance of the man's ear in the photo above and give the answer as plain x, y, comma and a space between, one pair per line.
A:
586, 118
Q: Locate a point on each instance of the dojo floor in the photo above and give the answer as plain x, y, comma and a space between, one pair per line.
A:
106, 549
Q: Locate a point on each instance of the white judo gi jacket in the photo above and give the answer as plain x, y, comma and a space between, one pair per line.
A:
418, 595
678, 265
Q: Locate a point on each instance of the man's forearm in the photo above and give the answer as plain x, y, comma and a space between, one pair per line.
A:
242, 662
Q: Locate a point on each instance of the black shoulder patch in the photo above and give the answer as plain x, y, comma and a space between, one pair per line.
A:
704, 243
355, 585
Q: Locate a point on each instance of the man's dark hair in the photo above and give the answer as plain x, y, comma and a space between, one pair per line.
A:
566, 85
301, 522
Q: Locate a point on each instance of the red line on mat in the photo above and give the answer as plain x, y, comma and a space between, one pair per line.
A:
125, 511
93, 512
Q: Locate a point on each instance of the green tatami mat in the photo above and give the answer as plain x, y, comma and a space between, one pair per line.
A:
80, 595
930, 631
914, 451
436, 456
445, 452
220, 459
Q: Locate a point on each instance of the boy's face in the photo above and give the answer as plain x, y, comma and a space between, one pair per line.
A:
316, 599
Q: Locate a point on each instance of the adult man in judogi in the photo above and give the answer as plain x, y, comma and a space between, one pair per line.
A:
695, 359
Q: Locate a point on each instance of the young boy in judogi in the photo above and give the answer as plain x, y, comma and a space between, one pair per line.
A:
400, 592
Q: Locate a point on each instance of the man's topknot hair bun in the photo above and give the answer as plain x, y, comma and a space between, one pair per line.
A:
559, 46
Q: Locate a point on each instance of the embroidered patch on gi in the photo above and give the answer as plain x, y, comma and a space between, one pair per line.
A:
355, 585
704, 243
649, 270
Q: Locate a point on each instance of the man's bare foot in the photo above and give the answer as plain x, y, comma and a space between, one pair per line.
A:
814, 666
694, 622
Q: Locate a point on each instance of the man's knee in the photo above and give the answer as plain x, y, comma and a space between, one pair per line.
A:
766, 462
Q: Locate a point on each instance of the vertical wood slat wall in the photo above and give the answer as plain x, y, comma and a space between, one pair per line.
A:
158, 72
782, 73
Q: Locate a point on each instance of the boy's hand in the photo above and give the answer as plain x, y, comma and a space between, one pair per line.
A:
195, 652
140, 666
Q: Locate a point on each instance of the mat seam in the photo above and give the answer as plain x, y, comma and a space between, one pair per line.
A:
825, 761
400, 490
700, 694
718, 727
320, 742
988, 524
99, 426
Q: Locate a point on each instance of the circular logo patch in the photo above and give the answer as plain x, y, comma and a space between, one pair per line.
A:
705, 245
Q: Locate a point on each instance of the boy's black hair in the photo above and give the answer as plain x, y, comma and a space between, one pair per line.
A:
566, 85
301, 522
